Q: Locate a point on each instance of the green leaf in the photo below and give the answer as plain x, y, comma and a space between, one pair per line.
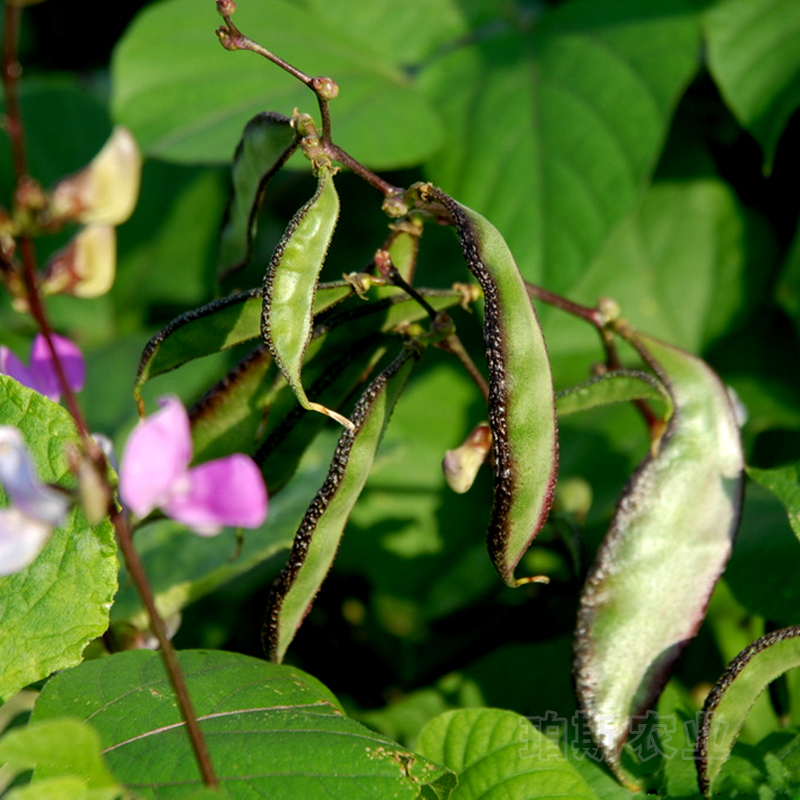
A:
571, 116
64, 788
57, 748
784, 483
188, 99
671, 536
620, 386
272, 731
731, 699
676, 266
52, 609
752, 56
500, 754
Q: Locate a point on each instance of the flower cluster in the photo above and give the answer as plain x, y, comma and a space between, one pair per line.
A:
154, 473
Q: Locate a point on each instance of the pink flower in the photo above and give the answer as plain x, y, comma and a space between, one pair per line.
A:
41, 375
36, 509
155, 473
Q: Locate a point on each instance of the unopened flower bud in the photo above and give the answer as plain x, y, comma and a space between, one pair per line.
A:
462, 464
225, 8
86, 266
107, 189
326, 88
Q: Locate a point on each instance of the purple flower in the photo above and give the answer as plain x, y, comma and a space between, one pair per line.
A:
155, 473
35, 510
41, 375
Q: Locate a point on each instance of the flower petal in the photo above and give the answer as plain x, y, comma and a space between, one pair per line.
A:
227, 491
10, 365
44, 378
155, 458
18, 477
21, 539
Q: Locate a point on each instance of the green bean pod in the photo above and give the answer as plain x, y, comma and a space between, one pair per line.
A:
521, 398
291, 282
267, 142
319, 534
668, 543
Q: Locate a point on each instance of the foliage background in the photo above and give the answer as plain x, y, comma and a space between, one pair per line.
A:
666, 179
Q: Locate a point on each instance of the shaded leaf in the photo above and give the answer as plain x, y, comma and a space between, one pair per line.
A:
784, 483
52, 609
272, 730
752, 55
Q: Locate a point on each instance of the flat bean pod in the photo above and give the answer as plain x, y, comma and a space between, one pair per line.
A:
290, 285
218, 325
733, 696
320, 532
267, 142
670, 538
521, 398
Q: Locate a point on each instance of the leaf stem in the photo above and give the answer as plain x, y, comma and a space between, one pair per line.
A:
325, 89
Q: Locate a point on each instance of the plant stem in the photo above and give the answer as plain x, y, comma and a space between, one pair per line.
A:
232, 38
135, 569
600, 321
11, 75
14, 126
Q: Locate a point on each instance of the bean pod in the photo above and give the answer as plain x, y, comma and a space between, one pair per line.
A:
317, 539
290, 285
670, 538
521, 398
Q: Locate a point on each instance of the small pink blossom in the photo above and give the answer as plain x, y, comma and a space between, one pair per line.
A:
155, 473
41, 375
35, 510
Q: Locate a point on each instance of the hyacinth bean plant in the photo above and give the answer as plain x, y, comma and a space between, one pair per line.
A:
429, 430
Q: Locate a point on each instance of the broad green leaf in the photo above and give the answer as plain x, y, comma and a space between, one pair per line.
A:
500, 754
752, 56
57, 748
406, 34
64, 788
614, 387
571, 116
267, 142
52, 609
788, 291
731, 699
784, 483
670, 538
676, 266
272, 731
188, 99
